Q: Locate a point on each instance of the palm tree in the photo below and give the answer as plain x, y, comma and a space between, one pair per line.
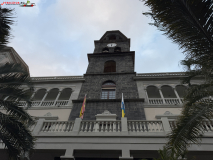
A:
5, 23
189, 23
15, 123
14, 86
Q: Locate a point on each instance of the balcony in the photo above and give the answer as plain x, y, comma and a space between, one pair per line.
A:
57, 103
130, 138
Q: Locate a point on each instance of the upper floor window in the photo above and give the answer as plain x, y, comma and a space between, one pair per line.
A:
108, 90
117, 49
105, 50
110, 66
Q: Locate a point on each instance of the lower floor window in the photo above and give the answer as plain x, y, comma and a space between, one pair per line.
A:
108, 94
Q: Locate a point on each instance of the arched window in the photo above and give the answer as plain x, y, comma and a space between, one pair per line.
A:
39, 95
168, 92
105, 50
110, 66
65, 94
153, 92
108, 90
117, 49
51, 96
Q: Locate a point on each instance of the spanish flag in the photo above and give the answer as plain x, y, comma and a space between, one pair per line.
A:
123, 106
83, 108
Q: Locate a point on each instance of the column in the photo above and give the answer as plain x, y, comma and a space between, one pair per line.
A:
33, 95
59, 93
68, 155
124, 127
166, 125
161, 94
177, 95
126, 155
44, 97
146, 95
77, 126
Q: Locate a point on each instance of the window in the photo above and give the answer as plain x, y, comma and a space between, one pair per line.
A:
105, 50
112, 37
110, 66
108, 90
117, 49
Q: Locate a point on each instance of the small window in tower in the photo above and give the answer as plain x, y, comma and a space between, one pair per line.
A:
112, 37
105, 50
117, 49
108, 90
110, 66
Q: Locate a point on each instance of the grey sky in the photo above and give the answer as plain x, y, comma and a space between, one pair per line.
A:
54, 37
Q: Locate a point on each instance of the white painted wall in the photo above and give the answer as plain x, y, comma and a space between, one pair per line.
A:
63, 114
152, 112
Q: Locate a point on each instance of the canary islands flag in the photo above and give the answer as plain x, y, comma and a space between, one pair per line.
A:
83, 108
123, 106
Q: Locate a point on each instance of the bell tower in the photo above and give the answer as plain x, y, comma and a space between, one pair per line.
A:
110, 73
112, 42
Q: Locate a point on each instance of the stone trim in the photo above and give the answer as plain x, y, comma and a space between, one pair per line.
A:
109, 100
47, 117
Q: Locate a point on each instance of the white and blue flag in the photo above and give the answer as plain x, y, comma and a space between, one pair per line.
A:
122, 106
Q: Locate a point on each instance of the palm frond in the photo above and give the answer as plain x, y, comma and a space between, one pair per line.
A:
15, 135
5, 23
187, 23
190, 126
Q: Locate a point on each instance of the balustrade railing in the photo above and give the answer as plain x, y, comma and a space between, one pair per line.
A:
35, 103
61, 103
145, 126
167, 101
100, 126
47, 103
155, 101
22, 103
56, 78
57, 126
172, 101
161, 74
207, 126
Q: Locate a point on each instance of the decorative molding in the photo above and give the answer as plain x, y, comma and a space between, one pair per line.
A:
47, 117
48, 114
167, 114
106, 116
106, 112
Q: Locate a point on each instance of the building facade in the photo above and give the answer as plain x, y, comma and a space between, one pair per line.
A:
152, 103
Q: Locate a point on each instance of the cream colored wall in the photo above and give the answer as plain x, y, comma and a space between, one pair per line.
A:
152, 112
63, 114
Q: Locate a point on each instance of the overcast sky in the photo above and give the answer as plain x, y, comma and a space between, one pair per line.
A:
54, 37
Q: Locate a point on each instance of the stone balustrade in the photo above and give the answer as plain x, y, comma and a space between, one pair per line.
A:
145, 126
100, 126
161, 74
117, 127
207, 126
56, 78
57, 126
45, 103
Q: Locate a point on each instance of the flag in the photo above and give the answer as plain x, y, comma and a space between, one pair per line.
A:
123, 106
83, 108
